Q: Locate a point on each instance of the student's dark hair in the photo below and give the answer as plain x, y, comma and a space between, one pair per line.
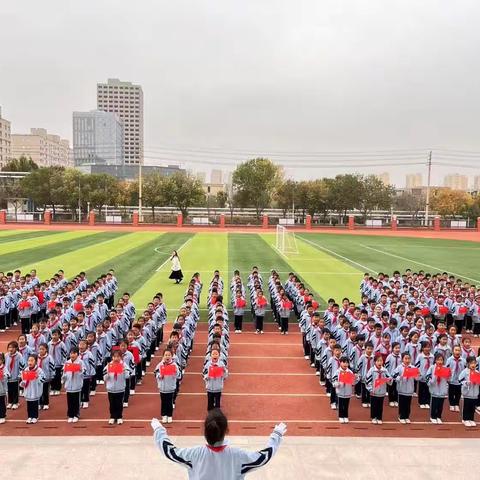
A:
215, 426
424, 344
33, 355
344, 359
368, 344
405, 354
2, 357
74, 350
470, 360
44, 345
437, 356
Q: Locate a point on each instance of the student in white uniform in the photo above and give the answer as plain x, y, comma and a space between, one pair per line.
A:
217, 459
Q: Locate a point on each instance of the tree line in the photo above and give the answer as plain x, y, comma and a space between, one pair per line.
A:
256, 183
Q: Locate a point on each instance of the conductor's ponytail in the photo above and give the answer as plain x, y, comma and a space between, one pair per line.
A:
215, 427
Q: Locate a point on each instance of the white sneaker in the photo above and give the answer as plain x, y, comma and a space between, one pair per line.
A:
333, 406
125, 405
472, 423
322, 383
143, 373
374, 421
391, 404
101, 382
70, 420
379, 422
46, 407
34, 420
93, 393
365, 405
402, 420
164, 419
75, 419
328, 394
2, 420
120, 421
457, 408
147, 364
169, 419
261, 331
15, 406
317, 374
341, 420
452, 408
173, 406
312, 365
29, 420
132, 392
111, 421
396, 404
257, 332
433, 420
286, 333
306, 357
139, 382
21, 394
345, 420
9, 406
465, 422
439, 421
407, 420
84, 405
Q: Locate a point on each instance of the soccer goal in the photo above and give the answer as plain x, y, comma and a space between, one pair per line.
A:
285, 241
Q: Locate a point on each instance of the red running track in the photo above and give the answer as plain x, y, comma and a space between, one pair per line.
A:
269, 381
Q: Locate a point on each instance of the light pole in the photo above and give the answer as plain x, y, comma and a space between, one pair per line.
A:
140, 190
79, 201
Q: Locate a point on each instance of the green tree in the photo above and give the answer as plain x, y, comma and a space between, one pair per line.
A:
374, 195
155, 191
255, 182
451, 203
344, 192
409, 202
21, 164
319, 196
221, 199
285, 195
184, 191
101, 189
40, 186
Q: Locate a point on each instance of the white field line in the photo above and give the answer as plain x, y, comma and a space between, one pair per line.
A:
279, 251
303, 271
416, 262
365, 268
243, 394
429, 247
247, 357
269, 422
178, 249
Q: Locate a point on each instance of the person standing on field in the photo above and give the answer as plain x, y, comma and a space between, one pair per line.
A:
176, 273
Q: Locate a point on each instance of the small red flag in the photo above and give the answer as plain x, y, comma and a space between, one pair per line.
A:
463, 310
168, 370
215, 371
425, 311
475, 378
411, 373
136, 354
346, 377
28, 375
380, 381
72, 367
443, 372
443, 310
115, 368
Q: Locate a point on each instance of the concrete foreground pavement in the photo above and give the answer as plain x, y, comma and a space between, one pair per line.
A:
129, 458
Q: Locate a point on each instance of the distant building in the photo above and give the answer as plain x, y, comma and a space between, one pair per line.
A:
125, 100
202, 176
45, 149
216, 176
97, 138
384, 178
5, 140
414, 180
130, 172
476, 183
456, 181
213, 188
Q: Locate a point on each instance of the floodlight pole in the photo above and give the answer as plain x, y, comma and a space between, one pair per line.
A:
427, 202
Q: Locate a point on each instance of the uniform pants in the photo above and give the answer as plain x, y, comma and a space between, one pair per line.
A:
365, 394
116, 405
404, 406
26, 325
99, 373
333, 396
213, 400
166, 405
459, 324
32, 408
126, 393
423, 394
133, 382
284, 324
85, 397
56, 383
343, 404
259, 322
476, 328
468, 412
3, 322
3, 406
306, 345
436, 407
468, 322
454, 394
73, 404
45, 398
159, 335
238, 322
12, 388
376, 407
392, 392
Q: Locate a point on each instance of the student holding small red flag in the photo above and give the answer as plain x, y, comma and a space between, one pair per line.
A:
73, 373
286, 307
259, 308
437, 379
343, 381
216, 373
405, 376
376, 382
167, 373
470, 380
239, 305
115, 376
32, 383
25, 309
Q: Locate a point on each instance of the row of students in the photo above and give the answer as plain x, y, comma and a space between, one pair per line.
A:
239, 303
215, 367
170, 370
258, 301
282, 306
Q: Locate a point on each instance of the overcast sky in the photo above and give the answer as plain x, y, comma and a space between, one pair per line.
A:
257, 75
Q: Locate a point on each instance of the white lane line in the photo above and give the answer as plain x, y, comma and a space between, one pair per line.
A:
302, 272
365, 268
177, 249
439, 269
269, 422
294, 357
233, 394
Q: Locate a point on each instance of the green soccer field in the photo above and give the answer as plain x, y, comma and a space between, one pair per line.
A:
331, 265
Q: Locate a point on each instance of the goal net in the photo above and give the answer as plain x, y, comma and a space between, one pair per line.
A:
285, 240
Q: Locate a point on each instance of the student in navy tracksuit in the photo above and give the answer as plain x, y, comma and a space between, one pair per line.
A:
115, 383
32, 387
217, 459
438, 389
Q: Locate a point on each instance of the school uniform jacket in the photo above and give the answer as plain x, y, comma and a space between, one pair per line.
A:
469, 390
343, 390
89, 363
4, 376
214, 385
47, 365
116, 382
58, 352
74, 380
372, 376
33, 389
456, 365
167, 383
220, 462
405, 386
438, 386
14, 364
423, 363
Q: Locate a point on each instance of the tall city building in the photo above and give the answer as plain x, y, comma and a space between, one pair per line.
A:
97, 138
414, 180
476, 183
45, 149
216, 176
456, 181
5, 140
384, 178
125, 100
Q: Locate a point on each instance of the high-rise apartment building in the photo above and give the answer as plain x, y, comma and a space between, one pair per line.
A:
5, 140
384, 178
476, 183
125, 100
97, 138
413, 180
456, 181
45, 149
216, 176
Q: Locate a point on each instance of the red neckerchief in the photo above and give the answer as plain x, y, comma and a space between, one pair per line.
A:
219, 449
13, 359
